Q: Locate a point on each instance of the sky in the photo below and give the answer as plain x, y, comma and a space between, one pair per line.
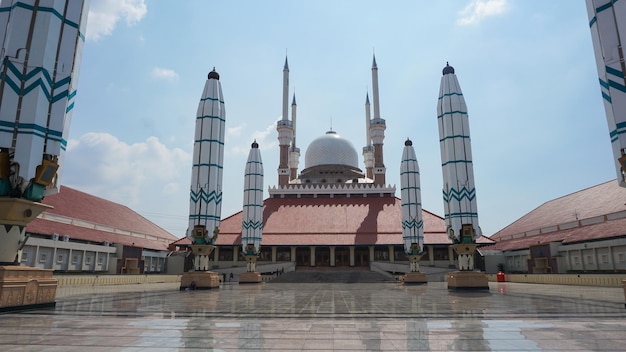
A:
526, 69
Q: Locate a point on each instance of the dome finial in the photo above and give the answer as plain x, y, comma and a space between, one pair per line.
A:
448, 69
213, 74
255, 144
408, 142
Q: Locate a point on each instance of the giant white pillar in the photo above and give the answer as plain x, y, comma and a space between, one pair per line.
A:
607, 21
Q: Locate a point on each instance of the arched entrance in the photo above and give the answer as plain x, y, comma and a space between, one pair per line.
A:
322, 256
361, 256
303, 256
342, 256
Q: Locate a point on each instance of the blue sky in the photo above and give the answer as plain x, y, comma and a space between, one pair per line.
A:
526, 69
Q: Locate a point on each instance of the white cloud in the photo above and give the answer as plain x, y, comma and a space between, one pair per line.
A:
164, 73
266, 139
478, 10
105, 14
146, 176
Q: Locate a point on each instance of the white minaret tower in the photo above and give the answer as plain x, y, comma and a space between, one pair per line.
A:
252, 224
607, 20
412, 224
368, 150
285, 132
41, 49
377, 131
41, 45
459, 194
294, 151
205, 203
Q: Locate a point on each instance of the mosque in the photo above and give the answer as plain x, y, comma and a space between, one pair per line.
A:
332, 213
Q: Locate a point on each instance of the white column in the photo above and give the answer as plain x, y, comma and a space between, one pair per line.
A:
431, 255
351, 255
312, 256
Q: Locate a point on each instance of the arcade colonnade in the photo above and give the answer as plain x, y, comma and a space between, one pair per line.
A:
336, 256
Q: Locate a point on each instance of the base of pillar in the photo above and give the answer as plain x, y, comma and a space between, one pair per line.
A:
24, 287
415, 278
199, 280
467, 280
250, 278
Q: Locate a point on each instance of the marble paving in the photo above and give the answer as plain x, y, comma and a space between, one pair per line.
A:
323, 317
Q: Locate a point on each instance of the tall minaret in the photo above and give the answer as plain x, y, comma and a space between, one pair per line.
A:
368, 150
205, 201
412, 224
459, 194
41, 45
377, 131
607, 21
285, 132
252, 224
294, 151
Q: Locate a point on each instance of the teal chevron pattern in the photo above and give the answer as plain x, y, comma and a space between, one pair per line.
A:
255, 225
37, 78
205, 196
459, 195
412, 224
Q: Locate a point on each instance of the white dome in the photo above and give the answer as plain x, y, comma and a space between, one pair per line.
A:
331, 149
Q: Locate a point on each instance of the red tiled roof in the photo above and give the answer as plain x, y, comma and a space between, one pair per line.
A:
599, 200
78, 205
332, 221
609, 229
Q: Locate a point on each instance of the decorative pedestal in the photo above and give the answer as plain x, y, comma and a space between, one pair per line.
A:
23, 287
199, 280
467, 280
250, 278
413, 278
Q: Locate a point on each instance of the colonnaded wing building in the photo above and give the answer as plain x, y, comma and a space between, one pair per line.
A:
333, 213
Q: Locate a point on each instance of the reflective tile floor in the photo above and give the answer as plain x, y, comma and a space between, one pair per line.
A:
323, 317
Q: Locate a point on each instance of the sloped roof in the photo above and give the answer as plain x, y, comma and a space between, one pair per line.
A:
605, 198
333, 221
605, 230
593, 213
86, 217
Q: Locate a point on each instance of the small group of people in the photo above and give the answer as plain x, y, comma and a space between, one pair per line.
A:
231, 277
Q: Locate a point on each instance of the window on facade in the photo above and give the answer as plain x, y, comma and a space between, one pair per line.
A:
60, 259
381, 253
74, 259
42, 258
283, 254
589, 259
399, 254
266, 254
576, 260
605, 259
24, 256
620, 257
226, 253
441, 253
100, 260
88, 260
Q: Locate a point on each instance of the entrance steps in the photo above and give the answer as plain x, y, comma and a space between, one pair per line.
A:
329, 275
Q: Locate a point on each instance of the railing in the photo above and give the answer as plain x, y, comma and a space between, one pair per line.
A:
605, 280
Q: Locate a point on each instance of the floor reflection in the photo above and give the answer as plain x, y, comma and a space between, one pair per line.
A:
323, 317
